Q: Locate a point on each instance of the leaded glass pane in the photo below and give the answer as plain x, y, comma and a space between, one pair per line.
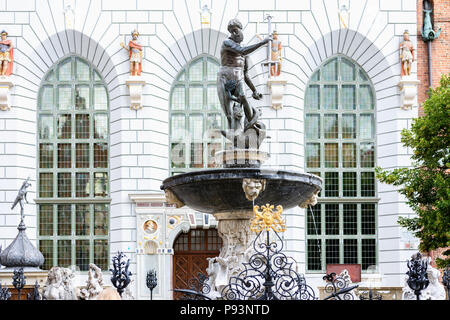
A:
329, 71
213, 68
350, 251
365, 97
332, 251
82, 98
82, 187
178, 155
330, 126
350, 219
47, 98
64, 185
314, 258
64, 253
349, 155
330, 97
196, 71
181, 77
100, 184
83, 220
97, 76
64, 123
82, 155
349, 184
315, 76
82, 126
312, 124
64, 220
331, 184
100, 155
368, 218
101, 218
348, 97
368, 253
64, 155
196, 155
213, 98
178, 98
312, 99
366, 127
178, 125
331, 155
82, 254
314, 226
45, 127
64, 98
367, 155
196, 127
100, 98
46, 220
367, 184
83, 71
348, 126
45, 185
212, 149
196, 98
214, 123
347, 70
361, 76
313, 155
101, 126
50, 77
65, 70
46, 248
45, 155
101, 258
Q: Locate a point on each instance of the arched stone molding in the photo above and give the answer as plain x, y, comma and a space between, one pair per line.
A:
183, 227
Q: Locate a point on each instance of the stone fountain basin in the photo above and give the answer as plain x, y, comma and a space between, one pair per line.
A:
220, 190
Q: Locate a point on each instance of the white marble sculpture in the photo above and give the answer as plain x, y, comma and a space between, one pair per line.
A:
59, 285
94, 284
435, 290
348, 280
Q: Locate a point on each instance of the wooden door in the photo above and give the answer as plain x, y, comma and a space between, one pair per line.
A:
190, 252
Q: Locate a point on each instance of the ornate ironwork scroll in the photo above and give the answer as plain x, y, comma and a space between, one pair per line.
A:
338, 288
151, 281
417, 274
35, 295
120, 274
5, 294
269, 274
18, 280
198, 289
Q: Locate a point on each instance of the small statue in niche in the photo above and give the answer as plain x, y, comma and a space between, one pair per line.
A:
135, 53
275, 56
406, 54
6, 55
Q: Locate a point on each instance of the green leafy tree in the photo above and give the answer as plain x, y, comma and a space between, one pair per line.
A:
426, 185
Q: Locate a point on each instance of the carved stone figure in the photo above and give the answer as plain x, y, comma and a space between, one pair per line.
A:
135, 53
94, 283
311, 201
59, 285
172, 199
253, 187
234, 67
435, 290
406, 54
275, 56
6, 55
22, 195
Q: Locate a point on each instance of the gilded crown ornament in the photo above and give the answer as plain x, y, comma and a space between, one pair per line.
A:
267, 219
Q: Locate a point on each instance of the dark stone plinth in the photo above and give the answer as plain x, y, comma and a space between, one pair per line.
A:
220, 190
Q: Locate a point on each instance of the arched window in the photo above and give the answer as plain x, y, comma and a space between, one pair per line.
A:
73, 166
194, 110
340, 147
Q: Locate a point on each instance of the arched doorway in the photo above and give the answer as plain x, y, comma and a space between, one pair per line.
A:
190, 252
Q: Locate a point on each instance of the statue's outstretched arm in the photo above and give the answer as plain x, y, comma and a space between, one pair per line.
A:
235, 47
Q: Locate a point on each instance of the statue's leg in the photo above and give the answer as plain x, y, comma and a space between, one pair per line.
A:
225, 101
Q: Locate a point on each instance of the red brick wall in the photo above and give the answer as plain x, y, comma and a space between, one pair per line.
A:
440, 47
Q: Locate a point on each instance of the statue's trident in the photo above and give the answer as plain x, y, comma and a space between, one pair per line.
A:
20, 197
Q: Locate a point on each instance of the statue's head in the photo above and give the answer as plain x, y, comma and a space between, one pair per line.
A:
135, 34
406, 35
235, 28
275, 35
4, 34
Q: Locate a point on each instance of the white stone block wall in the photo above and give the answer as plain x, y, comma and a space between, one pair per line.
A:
173, 36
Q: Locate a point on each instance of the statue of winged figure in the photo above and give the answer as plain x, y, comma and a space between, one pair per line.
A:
21, 196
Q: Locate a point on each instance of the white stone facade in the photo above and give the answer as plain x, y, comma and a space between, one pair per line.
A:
172, 35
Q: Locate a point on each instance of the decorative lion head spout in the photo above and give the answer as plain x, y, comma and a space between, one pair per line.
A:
253, 187
312, 201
